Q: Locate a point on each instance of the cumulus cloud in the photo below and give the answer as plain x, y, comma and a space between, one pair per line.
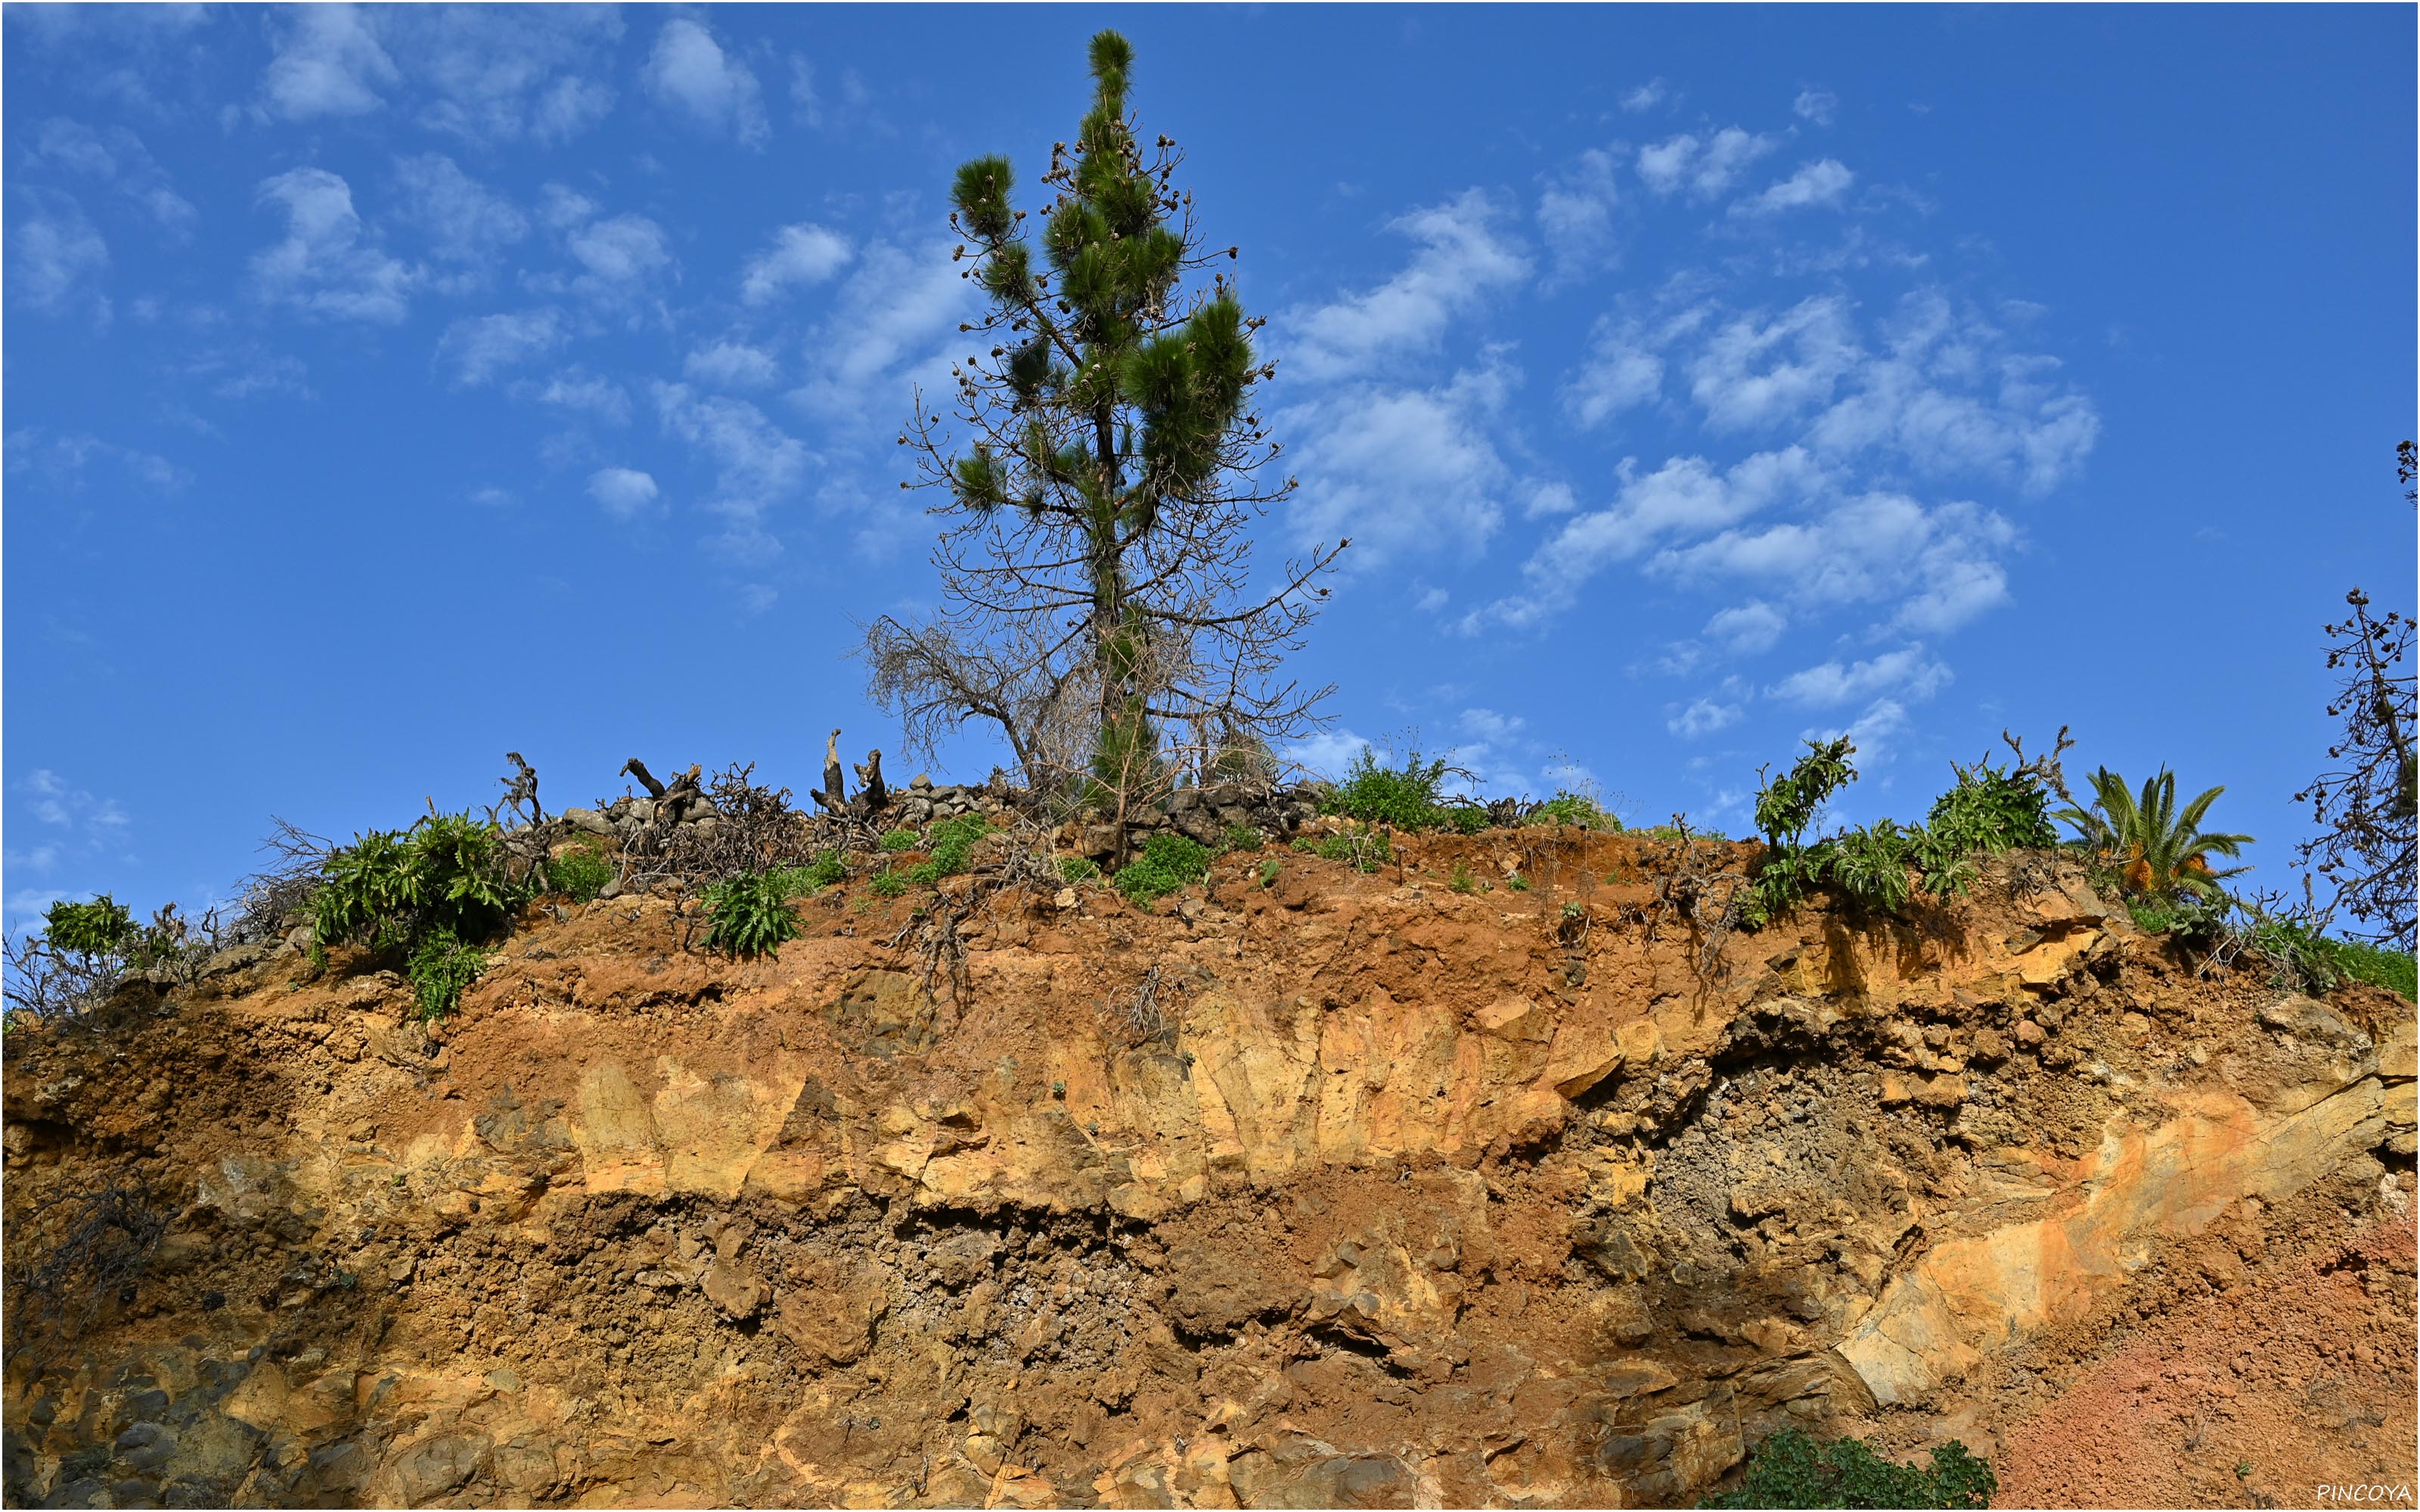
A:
756, 464
56, 258
1949, 396
1645, 97
482, 347
1462, 259
325, 265
621, 252
1702, 717
1747, 629
890, 321
118, 159
328, 61
1404, 471
1815, 105
491, 74
800, 255
731, 364
1331, 753
1757, 372
1623, 371
1908, 673
625, 493
1820, 184
1684, 496
1941, 565
689, 74
580, 392
1701, 168
462, 220
65, 461
1576, 215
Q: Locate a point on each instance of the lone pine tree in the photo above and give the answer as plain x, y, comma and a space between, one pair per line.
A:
1097, 602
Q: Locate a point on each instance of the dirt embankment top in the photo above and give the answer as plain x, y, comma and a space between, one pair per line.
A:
1496, 1174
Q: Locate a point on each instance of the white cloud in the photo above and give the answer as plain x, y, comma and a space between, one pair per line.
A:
1576, 215
1752, 373
756, 464
1683, 497
1703, 717
120, 160
327, 62
483, 346
620, 252
1645, 97
1550, 499
626, 493
803, 253
1621, 371
1869, 731
325, 265
1907, 671
500, 73
1943, 564
1329, 754
57, 258
1947, 395
1462, 259
895, 313
1820, 184
569, 107
585, 393
731, 364
1816, 105
1404, 472
564, 209
690, 73
64, 460
1703, 168
1747, 629
1488, 725
462, 219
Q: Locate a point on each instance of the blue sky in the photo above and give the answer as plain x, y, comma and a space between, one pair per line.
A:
388, 389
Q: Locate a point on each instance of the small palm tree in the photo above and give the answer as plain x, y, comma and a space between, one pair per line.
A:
2155, 848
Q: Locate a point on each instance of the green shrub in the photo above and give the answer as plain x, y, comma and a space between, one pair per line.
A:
441, 966
888, 884
899, 839
1517, 882
100, 928
1462, 881
954, 842
579, 874
1360, 847
1244, 838
445, 873
1792, 1469
751, 914
1990, 810
1410, 797
828, 870
2395, 970
1569, 808
1269, 872
1167, 862
1075, 869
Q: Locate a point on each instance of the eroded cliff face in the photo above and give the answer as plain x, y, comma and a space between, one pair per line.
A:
1346, 1190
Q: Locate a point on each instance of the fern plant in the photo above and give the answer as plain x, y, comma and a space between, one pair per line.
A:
751, 914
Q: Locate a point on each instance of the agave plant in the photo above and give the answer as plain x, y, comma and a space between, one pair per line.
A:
2156, 848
